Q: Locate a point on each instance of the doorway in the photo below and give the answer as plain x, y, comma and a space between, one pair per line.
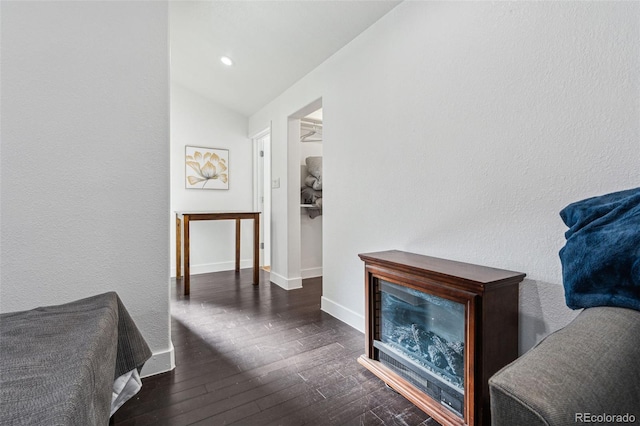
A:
311, 195
262, 193
306, 238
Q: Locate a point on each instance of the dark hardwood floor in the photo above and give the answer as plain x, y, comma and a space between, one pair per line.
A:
261, 355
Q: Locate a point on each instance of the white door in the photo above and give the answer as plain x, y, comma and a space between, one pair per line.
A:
263, 196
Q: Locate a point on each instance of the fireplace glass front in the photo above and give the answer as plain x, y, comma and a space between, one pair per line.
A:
422, 338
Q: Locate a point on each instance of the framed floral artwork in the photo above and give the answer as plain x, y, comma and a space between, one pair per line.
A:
206, 168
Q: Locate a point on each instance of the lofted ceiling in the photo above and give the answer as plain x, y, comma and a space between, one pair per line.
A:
273, 44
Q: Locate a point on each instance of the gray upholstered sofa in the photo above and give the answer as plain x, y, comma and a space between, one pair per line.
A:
586, 373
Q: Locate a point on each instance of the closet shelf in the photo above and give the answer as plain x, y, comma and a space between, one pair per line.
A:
309, 206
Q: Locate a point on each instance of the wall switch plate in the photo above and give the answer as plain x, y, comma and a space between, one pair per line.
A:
275, 183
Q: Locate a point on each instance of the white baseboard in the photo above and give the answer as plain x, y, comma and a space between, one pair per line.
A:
311, 272
205, 268
286, 283
160, 362
345, 315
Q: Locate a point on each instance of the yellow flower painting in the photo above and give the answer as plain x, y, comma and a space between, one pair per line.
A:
206, 168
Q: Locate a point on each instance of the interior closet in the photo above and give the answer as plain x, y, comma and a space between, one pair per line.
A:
311, 195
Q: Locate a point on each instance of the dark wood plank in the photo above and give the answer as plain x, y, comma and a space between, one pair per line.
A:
261, 355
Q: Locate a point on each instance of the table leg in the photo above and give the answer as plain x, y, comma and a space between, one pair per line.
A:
237, 245
187, 274
256, 248
178, 248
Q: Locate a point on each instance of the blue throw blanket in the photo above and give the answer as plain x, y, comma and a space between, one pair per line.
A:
601, 258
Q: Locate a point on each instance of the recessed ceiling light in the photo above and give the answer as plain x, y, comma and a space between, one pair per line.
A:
226, 60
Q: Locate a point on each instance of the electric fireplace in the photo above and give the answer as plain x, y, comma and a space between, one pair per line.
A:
437, 330
422, 339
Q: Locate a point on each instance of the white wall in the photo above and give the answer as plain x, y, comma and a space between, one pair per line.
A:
197, 121
460, 130
85, 159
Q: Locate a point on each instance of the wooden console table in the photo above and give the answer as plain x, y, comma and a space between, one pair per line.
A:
183, 218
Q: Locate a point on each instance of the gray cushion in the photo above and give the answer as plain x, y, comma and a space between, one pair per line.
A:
590, 367
314, 166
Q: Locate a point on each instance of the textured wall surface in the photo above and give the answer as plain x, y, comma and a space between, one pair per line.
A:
85, 154
460, 130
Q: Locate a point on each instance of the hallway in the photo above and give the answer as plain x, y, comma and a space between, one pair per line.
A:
261, 355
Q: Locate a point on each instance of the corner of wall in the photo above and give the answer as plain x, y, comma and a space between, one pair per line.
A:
285, 283
342, 313
160, 362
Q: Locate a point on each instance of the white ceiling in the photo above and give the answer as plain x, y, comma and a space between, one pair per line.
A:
273, 44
